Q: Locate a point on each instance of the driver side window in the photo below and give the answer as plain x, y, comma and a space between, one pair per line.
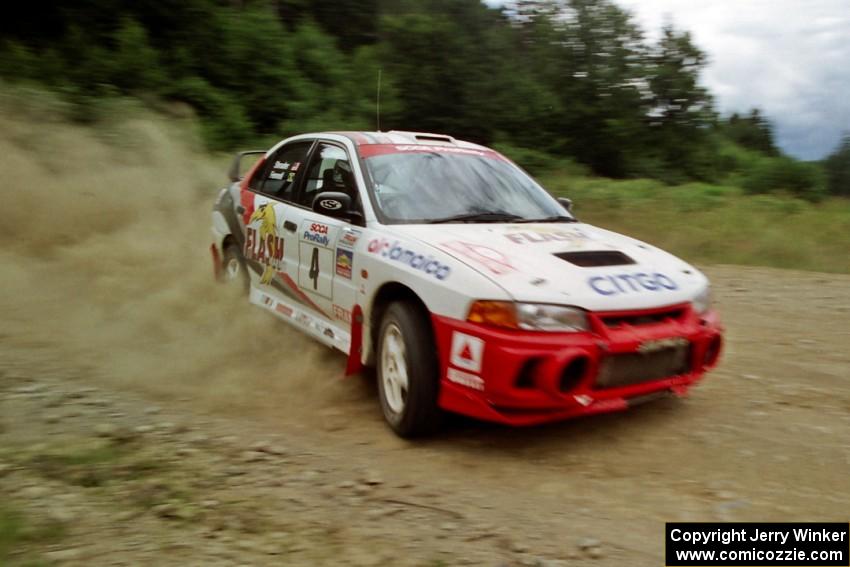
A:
329, 170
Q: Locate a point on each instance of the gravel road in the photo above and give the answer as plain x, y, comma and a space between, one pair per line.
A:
265, 457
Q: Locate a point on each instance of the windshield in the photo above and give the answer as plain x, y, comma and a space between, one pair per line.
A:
432, 184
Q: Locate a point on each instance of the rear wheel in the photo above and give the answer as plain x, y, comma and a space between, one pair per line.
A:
408, 380
234, 272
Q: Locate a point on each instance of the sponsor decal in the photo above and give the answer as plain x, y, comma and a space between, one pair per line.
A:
382, 147
344, 263
583, 400
631, 283
465, 379
342, 314
467, 352
348, 239
284, 310
490, 258
262, 243
536, 235
440, 149
330, 204
304, 319
279, 170
317, 233
395, 251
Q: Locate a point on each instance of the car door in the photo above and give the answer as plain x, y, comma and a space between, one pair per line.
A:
326, 258
270, 234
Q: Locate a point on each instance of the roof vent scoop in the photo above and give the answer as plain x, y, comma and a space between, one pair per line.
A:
596, 259
434, 138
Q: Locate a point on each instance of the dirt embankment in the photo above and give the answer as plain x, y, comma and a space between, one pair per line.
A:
146, 416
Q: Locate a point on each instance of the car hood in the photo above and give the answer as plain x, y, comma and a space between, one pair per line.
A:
566, 263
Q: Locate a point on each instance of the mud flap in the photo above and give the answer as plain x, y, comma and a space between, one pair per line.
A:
216, 263
355, 358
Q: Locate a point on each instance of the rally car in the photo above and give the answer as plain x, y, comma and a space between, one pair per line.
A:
465, 284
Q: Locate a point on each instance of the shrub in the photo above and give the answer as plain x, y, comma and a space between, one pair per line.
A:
786, 174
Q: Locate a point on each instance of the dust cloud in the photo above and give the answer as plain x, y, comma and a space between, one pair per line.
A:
106, 270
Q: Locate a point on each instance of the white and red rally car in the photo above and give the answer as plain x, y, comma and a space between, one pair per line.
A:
468, 287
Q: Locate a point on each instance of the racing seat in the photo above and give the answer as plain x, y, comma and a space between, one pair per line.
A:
339, 178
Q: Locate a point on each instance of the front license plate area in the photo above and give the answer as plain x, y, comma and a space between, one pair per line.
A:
619, 370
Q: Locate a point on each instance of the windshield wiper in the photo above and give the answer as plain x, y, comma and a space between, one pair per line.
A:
489, 216
554, 218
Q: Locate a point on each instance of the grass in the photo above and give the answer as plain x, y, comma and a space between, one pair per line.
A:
699, 222
712, 224
97, 465
16, 533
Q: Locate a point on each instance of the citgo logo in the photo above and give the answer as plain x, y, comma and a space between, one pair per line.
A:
627, 283
398, 253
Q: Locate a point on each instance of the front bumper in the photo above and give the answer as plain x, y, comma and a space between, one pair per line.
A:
527, 378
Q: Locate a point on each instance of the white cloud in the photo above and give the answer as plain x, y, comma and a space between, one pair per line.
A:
787, 57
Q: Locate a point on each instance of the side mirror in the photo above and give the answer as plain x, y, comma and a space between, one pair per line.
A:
235, 171
334, 204
566, 203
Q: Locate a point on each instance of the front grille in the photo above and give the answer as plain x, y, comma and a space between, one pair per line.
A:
596, 258
635, 368
640, 319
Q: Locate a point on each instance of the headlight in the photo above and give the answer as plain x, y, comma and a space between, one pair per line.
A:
702, 301
529, 316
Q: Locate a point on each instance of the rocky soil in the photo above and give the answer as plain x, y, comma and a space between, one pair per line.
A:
100, 469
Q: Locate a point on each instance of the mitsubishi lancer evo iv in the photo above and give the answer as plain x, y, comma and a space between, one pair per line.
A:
467, 286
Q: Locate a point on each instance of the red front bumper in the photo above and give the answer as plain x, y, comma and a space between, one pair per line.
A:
527, 378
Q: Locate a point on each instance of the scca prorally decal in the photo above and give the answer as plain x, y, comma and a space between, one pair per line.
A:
488, 257
317, 233
532, 235
344, 262
630, 283
395, 251
262, 244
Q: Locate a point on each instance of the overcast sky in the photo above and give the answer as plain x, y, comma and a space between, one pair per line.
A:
790, 58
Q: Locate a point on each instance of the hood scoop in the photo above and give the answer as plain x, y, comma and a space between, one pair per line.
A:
595, 259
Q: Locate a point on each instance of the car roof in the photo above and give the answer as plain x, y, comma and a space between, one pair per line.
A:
406, 138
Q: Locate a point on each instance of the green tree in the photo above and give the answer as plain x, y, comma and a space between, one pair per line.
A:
753, 131
134, 64
681, 109
837, 168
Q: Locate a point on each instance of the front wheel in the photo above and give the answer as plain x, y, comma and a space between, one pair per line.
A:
408, 376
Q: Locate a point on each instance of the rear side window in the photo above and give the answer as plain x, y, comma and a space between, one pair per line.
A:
278, 175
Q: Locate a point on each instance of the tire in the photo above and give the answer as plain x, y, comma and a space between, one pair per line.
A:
407, 371
233, 270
